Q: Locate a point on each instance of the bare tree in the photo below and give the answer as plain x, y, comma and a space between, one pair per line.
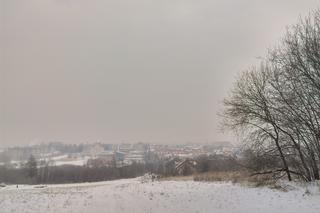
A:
249, 110
277, 106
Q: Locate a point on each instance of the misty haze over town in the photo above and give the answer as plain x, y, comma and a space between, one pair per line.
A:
159, 106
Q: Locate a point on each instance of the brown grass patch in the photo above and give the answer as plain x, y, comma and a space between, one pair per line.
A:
234, 177
177, 178
241, 177
237, 177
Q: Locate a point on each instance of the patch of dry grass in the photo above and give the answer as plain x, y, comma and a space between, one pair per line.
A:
177, 178
221, 176
239, 177
210, 176
236, 177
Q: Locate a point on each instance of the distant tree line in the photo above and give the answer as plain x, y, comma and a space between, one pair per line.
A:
275, 107
34, 172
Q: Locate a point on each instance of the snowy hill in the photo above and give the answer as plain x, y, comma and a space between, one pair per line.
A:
135, 195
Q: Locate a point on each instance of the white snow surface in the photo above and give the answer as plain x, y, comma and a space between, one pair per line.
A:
136, 195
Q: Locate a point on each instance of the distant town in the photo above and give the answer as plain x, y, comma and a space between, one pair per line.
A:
109, 155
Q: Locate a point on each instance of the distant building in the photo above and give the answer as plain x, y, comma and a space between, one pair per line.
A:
94, 150
186, 167
126, 148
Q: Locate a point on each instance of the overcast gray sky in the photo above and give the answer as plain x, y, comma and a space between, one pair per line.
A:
128, 70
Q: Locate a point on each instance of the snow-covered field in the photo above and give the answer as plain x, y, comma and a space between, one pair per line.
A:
135, 195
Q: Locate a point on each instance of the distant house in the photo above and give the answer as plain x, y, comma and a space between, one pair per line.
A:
119, 156
136, 157
186, 167
124, 147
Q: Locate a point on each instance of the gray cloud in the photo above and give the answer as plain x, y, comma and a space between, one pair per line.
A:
143, 70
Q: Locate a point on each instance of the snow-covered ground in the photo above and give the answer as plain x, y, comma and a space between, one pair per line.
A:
135, 195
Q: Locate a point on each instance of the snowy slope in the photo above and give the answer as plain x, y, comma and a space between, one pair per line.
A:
132, 196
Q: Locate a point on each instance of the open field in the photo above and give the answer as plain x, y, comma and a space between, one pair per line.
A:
141, 195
